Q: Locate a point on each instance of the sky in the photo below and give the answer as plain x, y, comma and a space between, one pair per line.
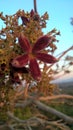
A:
60, 12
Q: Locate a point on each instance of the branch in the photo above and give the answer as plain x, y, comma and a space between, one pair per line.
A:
46, 108
23, 104
34, 121
6, 127
55, 97
63, 53
28, 102
35, 7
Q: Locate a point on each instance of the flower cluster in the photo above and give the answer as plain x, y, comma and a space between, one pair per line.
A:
33, 16
33, 54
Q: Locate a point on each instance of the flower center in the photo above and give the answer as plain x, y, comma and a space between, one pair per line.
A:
31, 56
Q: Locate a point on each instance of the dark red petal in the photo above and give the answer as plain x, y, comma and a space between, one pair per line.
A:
47, 58
32, 13
41, 43
34, 69
24, 43
20, 61
24, 20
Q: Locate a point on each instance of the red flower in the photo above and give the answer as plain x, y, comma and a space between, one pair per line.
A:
25, 20
32, 54
33, 16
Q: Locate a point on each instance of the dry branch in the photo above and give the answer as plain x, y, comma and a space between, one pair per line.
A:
63, 53
46, 108
23, 104
56, 97
67, 119
34, 121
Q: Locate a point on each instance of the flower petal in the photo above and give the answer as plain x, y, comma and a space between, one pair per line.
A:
47, 58
24, 43
34, 69
32, 13
24, 20
20, 61
41, 43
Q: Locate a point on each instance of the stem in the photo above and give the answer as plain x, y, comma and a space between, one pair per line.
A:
44, 107
63, 53
35, 8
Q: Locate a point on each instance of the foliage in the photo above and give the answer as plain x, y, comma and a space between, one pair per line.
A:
17, 83
27, 23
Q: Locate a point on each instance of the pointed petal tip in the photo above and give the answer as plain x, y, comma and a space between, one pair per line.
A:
47, 58
35, 70
41, 43
20, 61
15, 63
24, 43
32, 13
24, 20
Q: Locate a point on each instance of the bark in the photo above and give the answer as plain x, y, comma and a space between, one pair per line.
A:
46, 108
56, 97
34, 121
67, 119
35, 7
23, 104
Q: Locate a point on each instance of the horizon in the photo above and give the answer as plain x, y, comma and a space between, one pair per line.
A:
62, 78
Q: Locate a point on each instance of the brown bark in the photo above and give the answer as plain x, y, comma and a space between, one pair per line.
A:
46, 108
56, 97
67, 119
34, 121
35, 7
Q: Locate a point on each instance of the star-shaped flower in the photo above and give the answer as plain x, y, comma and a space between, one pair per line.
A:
32, 54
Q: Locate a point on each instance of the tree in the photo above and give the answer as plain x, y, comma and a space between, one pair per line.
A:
25, 73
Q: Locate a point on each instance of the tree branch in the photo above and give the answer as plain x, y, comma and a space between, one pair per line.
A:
24, 104
35, 7
63, 53
56, 97
46, 108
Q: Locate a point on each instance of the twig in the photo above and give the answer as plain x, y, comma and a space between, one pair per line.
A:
27, 102
34, 121
9, 114
46, 108
11, 127
29, 128
28, 121
6, 126
35, 7
63, 53
55, 97
24, 104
